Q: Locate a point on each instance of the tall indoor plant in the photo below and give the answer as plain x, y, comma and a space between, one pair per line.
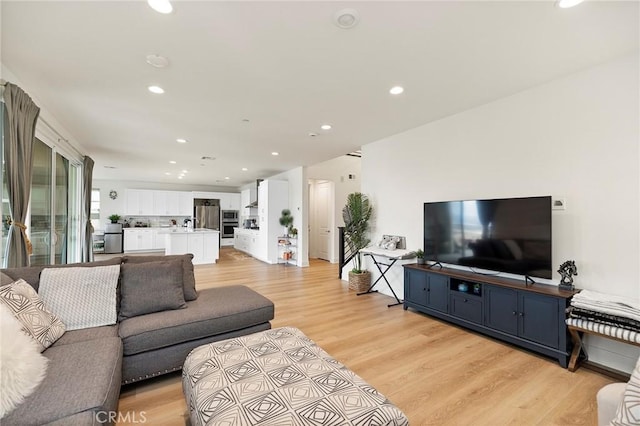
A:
356, 214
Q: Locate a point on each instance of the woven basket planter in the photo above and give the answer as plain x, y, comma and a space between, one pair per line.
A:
359, 282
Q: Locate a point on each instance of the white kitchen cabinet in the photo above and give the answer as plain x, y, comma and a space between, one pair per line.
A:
204, 245
185, 204
195, 245
138, 239
160, 203
158, 239
139, 202
248, 241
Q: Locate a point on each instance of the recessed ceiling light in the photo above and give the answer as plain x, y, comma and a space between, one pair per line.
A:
156, 89
185, 171
396, 90
346, 18
172, 162
245, 120
326, 127
167, 173
157, 61
110, 167
180, 177
244, 169
565, 4
207, 158
275, 153
181, 140
161, 6
227, 178
313, 135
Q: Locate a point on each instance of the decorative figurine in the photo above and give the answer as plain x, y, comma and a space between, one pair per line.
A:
566, 271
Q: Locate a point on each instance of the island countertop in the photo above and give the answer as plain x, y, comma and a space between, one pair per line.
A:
183, 230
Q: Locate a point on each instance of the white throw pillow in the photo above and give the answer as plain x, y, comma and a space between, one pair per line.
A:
83, 297
22, 366
629, 409
27, 307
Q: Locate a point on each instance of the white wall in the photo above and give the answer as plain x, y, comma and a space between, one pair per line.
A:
575, 137
298, 202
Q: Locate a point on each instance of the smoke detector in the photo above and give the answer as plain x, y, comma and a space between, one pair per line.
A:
346, 18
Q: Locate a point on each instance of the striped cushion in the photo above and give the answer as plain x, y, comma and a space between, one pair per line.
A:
607, 330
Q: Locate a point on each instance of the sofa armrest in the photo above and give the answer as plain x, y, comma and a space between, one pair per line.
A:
609, 397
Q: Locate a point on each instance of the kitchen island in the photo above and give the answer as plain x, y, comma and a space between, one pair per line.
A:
204, 244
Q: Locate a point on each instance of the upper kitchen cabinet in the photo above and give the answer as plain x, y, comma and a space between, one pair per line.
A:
140, 202
229, 201
185, 203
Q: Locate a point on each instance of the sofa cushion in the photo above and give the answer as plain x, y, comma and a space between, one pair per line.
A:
37, 321
216, 311
188, 278
151, 287
83, 297
93, 333
31, 274
22, 366
82, 377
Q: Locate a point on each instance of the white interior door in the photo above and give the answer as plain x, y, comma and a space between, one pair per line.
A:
322, 228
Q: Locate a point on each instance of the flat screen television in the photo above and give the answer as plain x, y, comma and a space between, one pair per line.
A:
511, 235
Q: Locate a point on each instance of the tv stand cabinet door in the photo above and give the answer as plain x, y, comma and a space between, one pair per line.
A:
438, 292
501, 311
539, 319
416, 287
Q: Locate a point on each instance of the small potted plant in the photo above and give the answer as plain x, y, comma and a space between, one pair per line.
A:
420, 256
114, 218
286, 220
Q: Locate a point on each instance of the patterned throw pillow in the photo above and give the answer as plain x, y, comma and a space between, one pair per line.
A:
628, 412
83, 297
28, 308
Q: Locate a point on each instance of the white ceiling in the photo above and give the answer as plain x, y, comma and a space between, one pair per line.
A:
286, 68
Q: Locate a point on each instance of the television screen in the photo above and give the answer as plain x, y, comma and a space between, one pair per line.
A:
511, 235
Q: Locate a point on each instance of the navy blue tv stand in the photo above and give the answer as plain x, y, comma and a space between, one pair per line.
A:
529, 316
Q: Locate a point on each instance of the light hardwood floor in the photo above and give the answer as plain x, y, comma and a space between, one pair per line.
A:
437, 373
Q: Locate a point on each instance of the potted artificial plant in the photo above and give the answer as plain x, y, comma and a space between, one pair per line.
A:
114, 218
420, 256
286, 220
356, 214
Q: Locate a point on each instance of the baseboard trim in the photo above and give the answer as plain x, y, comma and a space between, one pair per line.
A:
618, 375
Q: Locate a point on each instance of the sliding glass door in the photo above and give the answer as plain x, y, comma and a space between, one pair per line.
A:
54, 207
41, 232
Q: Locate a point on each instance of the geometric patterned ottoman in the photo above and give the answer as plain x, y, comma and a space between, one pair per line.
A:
279, 377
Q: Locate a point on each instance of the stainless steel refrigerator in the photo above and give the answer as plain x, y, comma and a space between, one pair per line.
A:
113, 241
207, 214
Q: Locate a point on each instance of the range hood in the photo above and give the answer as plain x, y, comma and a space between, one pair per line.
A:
254, 204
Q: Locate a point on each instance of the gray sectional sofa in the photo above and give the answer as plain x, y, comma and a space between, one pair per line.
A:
88, 366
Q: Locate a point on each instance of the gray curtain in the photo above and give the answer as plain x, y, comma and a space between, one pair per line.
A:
87, 178
22, 114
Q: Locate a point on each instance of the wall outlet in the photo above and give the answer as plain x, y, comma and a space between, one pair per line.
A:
558, 204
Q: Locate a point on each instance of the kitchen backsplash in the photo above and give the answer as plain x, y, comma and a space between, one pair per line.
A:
153, 221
